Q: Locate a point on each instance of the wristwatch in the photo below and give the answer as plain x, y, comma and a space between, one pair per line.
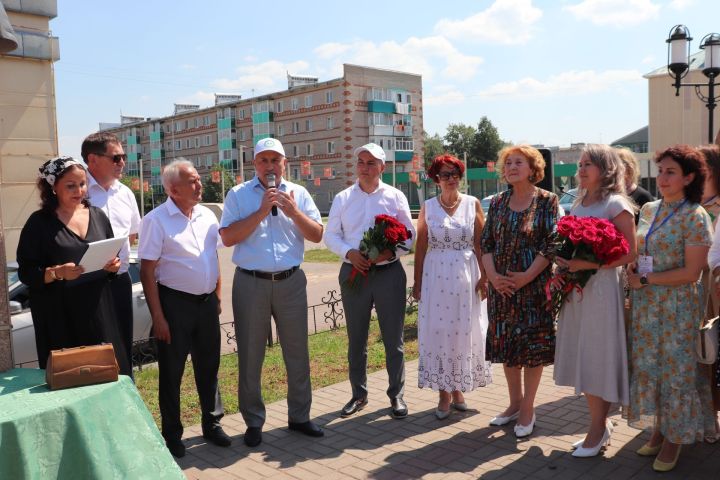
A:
644, 279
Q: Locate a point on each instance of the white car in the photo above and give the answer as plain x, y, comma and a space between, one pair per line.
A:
23, 331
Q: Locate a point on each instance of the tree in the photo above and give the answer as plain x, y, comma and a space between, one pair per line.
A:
459, 140
147, 196
433, 147
213, 192
486, 143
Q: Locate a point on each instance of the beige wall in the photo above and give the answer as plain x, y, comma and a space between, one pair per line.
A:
28, 131
682, 119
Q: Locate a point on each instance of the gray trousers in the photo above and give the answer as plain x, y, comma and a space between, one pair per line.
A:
254, 301
386, 289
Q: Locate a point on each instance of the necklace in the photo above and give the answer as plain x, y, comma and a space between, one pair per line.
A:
449, 207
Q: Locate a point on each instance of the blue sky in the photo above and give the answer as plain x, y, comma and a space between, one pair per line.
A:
550, 72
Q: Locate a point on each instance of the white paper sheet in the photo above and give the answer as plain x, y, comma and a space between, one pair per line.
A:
100, 253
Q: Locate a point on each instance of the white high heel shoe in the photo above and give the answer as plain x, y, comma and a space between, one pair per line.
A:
584, 452
579, 443
522, 431
499, 421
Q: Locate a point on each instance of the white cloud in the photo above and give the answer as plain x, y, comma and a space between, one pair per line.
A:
681, 4
264, 77
565, 83
507, 22
415, 55
443, 95
618, 13
198, 98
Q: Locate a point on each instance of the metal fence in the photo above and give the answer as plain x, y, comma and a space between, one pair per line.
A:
326, 316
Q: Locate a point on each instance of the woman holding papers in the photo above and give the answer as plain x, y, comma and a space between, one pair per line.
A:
69, 307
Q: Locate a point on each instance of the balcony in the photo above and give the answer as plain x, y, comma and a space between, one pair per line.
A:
227, 144
381, 106
262, 117
133, 139
157, 154
403, 155
156, 136
226, 123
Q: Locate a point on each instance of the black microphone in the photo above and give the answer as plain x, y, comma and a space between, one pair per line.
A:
270, 177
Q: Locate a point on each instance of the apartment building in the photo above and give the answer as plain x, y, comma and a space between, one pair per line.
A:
319, 124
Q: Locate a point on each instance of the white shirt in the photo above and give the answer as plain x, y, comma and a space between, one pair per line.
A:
185, 248
714, 253
353, 212
118, 203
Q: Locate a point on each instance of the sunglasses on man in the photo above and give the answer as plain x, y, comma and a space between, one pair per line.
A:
120, 157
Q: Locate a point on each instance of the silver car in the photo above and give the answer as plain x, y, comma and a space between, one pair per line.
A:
23, 331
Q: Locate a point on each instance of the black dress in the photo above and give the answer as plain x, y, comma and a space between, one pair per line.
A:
67, 313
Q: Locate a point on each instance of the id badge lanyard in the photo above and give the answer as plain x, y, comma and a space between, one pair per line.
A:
652, 228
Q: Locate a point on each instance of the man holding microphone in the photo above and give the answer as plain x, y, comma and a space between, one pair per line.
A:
267, 220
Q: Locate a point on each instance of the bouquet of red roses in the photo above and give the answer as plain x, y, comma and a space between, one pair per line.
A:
587, 238
387, 233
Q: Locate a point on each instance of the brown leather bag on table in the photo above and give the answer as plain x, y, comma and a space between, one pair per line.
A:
74, 367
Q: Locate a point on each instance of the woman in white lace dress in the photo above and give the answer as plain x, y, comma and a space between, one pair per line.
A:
452, 319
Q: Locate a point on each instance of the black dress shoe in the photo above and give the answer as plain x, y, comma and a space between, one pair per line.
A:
176, 447
354, 405
217, 436
308, 428
253, 436
399, 407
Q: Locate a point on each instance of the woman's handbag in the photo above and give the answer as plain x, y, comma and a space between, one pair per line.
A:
706, 342
74, 367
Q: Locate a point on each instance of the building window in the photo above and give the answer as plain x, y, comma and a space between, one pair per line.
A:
308, 125
178, 144
279, 106
280, 131
242, 134
208, 160
206, 120
295, 173
186, 124
169, 144
197, 142
308, 101
329, 97
329, 123
208, 140
331, 147
407, 98
187, 143
295, 151
296, 127
178, 126
308, 149
295, 104
241, 113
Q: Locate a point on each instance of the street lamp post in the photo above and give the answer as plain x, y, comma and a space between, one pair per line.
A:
678, 66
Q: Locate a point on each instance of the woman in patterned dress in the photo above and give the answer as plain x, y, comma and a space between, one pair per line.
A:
452, 322
591, 350
668, 390
521, 334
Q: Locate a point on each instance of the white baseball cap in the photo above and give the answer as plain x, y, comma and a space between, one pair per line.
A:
373, 149
266, 144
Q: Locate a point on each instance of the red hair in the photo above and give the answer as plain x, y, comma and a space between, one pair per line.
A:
444, 159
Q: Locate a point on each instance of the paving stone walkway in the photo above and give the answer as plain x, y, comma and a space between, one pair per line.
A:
373, 445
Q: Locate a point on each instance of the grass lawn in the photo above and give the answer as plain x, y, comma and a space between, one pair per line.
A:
321, 255
328, 365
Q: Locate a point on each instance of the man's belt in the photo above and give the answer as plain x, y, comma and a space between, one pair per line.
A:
272, 276
202, 298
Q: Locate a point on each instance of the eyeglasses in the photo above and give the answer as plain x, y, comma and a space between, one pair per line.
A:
120, 157
446, 175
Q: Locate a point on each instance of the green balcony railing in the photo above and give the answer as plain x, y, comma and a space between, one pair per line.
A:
156, 136
381, 106
225, 123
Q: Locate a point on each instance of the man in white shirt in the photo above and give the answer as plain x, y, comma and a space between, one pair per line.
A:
105, 159
352, 213
181, 278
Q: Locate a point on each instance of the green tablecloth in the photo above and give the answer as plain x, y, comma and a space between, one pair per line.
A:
94, 432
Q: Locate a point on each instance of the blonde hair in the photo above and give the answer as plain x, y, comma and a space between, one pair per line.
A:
612, 172
632, 168
533, 156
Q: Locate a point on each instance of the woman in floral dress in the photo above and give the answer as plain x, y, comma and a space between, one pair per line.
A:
521, 333
668, 391
452, 322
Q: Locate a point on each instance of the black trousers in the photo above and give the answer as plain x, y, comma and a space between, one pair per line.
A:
194, 329
121, 288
